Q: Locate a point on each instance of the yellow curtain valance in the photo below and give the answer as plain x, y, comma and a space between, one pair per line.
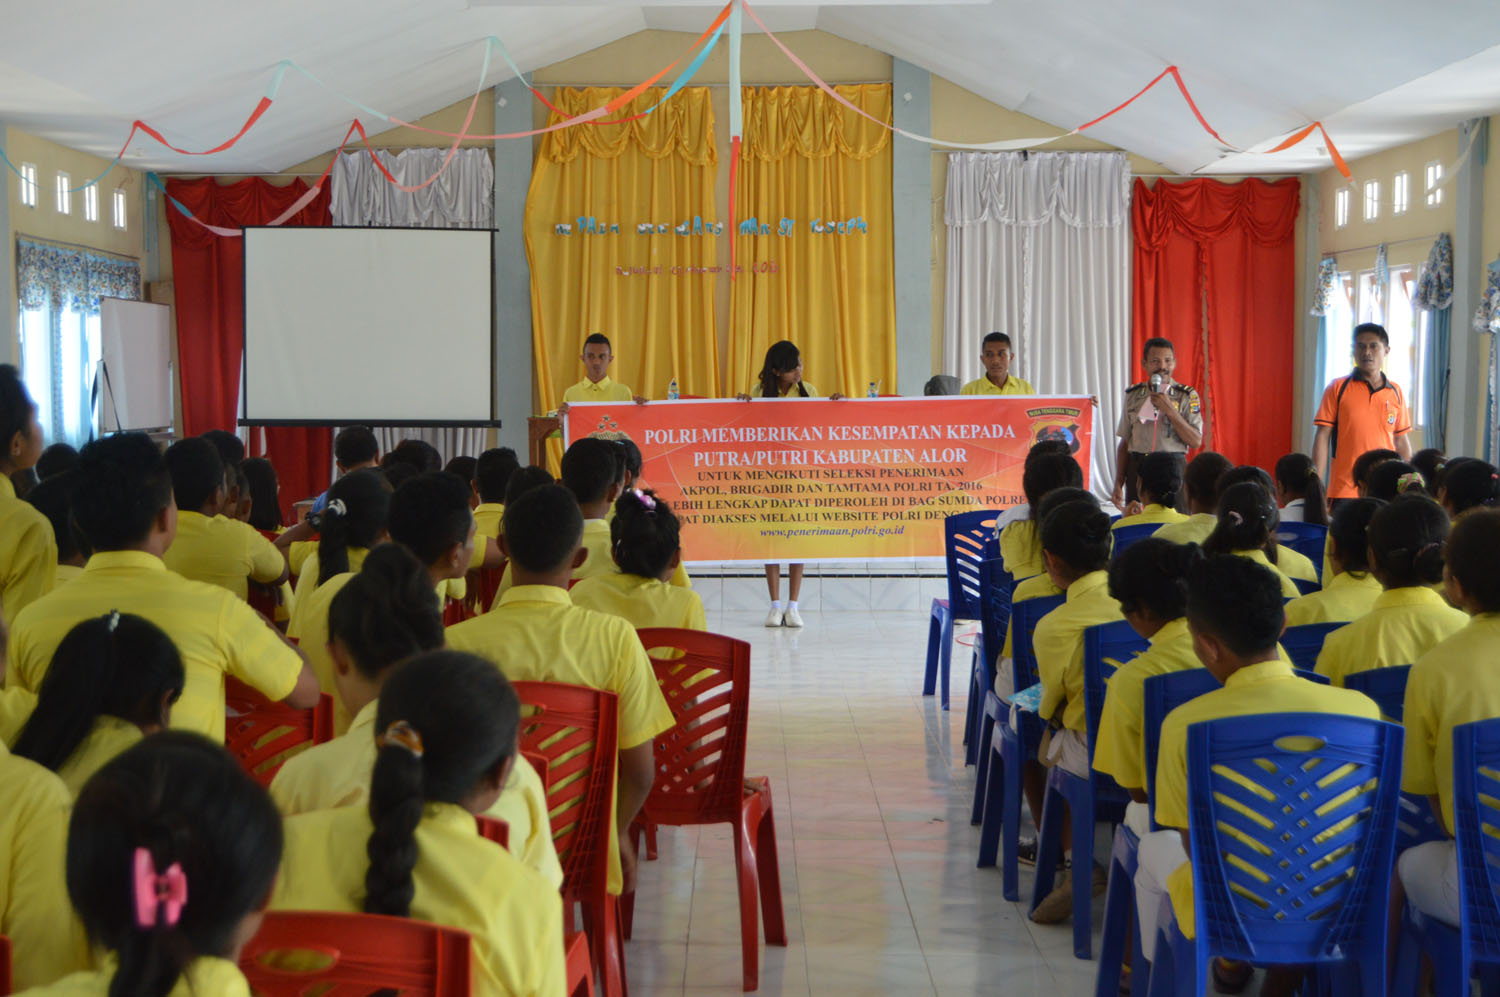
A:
683, 125
803, 120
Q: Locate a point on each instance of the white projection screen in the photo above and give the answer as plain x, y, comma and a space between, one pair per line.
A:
375, 326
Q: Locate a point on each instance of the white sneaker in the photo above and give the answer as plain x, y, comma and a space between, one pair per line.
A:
775, 616
793, 619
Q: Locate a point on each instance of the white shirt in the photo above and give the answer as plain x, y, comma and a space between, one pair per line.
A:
1292, 512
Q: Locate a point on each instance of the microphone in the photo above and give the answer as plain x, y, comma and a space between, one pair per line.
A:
1156, 382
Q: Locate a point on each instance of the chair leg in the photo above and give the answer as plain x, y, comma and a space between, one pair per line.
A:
983, 758
602, 922
748, 879
972, 713
989, 793
627, 913
936, 627
1082, 810
772, 911
1011, 762
945, 662
1119, 914
650, 842
1408, 958
1048, 846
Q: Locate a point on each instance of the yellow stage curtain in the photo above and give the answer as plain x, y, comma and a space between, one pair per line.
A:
808, 159
657, 171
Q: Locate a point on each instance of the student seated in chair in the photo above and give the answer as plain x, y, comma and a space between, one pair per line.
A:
1158, 483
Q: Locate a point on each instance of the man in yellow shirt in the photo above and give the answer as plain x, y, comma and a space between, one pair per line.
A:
995, 354
28, 555
210, 547
491, 477
596, 385
535, 633
124, 509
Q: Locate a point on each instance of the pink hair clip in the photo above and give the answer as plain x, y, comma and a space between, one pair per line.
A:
1236, 518
646, 499
167, 891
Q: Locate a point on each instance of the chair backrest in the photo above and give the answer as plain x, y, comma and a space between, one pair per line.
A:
1124, 536
1312, 676
965, 536
1307, 587
1387, 686
576, 729
1292, 818
1476, 790
490, 577
995, 586
1303, 644
700, 762
349, 954
1106, 646
493, 828
1024, 616
1307, 539
263, 735
1161, 694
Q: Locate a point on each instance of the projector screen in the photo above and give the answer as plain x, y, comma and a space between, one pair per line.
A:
375, 326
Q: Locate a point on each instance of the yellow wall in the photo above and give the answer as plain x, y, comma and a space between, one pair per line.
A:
1409, 236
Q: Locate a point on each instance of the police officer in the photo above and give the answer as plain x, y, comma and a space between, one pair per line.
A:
1160, 414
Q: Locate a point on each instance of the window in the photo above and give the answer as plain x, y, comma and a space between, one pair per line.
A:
28, 184
1432, 183
91, 203
119, 209
64, 194
1372, 200
1338, 351
1341, 208
1400, 193
1391, 306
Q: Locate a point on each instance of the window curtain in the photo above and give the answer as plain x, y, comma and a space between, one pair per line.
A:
462, 197
1038, 248
827, 284
620, 237
1215, 273
208, 273
1435, 294
1487, 323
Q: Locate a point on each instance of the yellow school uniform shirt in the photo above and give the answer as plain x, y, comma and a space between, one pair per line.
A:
462, 880
487, 519
298, 553
1192, 530
204, 975
66, 573
537, 634
215, 633
307, 581
47, 941
1264, 687
1444, 691
984, 386
1059, 645
28, 553
1289, 588
601, 561
1121, 751
679, 575
109, 736
1035, 587
1295, 565
309, 628
223, 552
1400, 627
603, 390
1152, 513
16, 705
1346, 597
337, 774
1021, 549
642, 602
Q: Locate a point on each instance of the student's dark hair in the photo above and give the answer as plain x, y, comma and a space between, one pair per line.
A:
598, 339
1160, 475
397, 473
462, 467
590, 467
463, 717
492, 473
1152, 575
1297, 476
429, 514
355, 445
1155, 343
1439, 480
1472, 484
1237, 601
1078, 533
187, 802
1048, 448
1348, 533
197, 472
56, 459
118, 665
386, 613
1373, 327
53, 498
418, 453
1043, 474
995, 337
1429, 461
122, 486
231, 448
358, 508
524, 479
1060, 497
644, 534
1473, 551
1394, 477
265, 505
1241, 473
1201, 477
16, 406
543, 527
780, 358
633, 459
1247, 521
24, 480
1407, 537
1367, 461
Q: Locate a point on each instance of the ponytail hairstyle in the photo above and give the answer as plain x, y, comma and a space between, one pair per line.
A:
358, 505
446, 721
1247, 521
644, 533
1078, 534
1429, 461
1044, 474
175, 814
1470, 485
1394, 477
780, 358
118, 665
16, 411
386, 613
1348, 534
1159, 474
1367, 462
430, 514
1297, 477
265, 506
1151, 575
1407, 540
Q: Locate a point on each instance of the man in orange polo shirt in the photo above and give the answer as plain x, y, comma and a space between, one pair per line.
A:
1361, 411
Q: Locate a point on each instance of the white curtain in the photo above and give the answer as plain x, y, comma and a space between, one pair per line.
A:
1039, 248
463, 197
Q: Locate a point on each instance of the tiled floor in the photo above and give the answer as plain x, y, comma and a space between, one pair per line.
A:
872, 821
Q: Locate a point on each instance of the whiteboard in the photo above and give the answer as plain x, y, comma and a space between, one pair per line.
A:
378, 326
135, 342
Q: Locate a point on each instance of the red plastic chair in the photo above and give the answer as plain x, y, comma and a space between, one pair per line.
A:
456, 611
700, 772
4, 965
356, 954
484, 593
263, 734
576, 730
494, 829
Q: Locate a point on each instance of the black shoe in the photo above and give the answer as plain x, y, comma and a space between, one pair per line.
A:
1026, 851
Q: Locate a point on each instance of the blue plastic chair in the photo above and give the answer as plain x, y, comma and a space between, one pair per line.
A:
1011, 746
1387, 686
1314, 888
1312, 676
964, 539
995, 585
1459, 953
1105, 648
1126, 535
1307, 539
1306, 587
1303, 644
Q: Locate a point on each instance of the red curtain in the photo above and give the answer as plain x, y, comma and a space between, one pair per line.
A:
208, 273
1215, 272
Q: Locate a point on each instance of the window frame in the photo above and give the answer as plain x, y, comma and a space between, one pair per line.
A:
91, 203
64, 202
120, 208
1400, 192
1341, 208
29, 186
1370, 201
1432, 183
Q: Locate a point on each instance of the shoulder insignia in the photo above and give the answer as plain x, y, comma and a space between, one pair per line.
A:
1185, 387
1136, 387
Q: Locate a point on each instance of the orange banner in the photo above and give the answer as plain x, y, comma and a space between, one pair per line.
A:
816, 480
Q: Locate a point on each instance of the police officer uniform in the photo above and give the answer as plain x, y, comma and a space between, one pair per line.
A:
1157, 433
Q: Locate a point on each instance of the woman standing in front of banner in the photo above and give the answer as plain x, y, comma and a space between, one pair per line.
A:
781, 377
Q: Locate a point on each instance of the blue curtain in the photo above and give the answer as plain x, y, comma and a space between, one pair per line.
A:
1435, 376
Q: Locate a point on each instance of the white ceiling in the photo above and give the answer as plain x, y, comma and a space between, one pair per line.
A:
78, 72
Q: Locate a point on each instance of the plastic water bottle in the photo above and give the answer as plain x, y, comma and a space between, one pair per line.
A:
672, 390
874, 391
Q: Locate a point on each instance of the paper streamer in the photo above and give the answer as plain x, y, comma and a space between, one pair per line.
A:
734, 225
736, 126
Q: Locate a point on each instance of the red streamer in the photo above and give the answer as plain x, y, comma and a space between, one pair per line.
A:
140, 126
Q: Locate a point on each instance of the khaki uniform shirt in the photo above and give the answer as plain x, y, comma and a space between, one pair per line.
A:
1158, 433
